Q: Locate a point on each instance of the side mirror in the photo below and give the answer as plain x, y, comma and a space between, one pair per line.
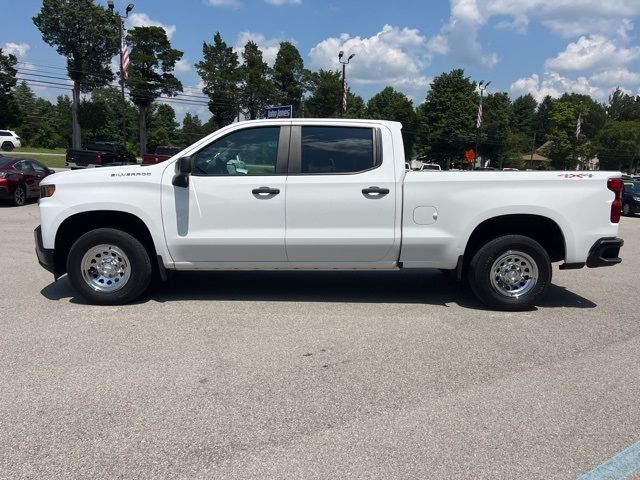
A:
183, 169
51, 171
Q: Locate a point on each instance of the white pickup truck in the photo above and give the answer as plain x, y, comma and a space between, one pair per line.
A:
322, 195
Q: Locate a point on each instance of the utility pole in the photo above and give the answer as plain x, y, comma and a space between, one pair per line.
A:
344, 63
482, 87
122, 73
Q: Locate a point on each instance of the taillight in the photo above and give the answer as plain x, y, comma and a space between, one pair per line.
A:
99, 157
616, 185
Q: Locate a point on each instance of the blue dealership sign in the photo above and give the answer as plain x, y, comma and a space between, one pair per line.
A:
281, 111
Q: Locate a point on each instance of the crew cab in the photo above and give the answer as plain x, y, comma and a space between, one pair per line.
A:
100, 154
160, 155
322, 194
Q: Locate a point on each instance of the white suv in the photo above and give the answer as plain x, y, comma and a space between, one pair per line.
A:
9, 140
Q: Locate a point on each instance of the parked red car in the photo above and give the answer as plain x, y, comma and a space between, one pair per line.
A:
20, 179
161, 154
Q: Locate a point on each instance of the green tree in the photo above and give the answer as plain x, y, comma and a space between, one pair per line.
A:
220, 74
496, 128
356, 107
257, 90
192, 129
523, 114
24, 101
389, 104
62, 120
447, 117
7, 82
289, 76
618, 146
150, 73
623, 106
101, 116
542, 121
326, 94
162, 126
87, 35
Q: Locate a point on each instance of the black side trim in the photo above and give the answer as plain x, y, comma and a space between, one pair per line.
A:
604, 253
161, 270
459, 266
46, 257
571, 266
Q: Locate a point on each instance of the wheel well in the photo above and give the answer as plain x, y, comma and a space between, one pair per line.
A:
77, 225
541, 229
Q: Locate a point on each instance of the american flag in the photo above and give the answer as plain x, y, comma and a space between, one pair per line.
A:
579, 126
124, 58
479, 119
344, 97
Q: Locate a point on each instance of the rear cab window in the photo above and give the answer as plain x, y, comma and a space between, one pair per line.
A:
338, 150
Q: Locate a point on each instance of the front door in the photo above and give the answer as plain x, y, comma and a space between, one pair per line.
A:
233, 210
341, 197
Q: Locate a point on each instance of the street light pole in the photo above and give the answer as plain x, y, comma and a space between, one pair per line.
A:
482, 87
121, 37
344, 63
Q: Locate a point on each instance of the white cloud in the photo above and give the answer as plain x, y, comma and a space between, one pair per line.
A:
393, 56
18, 49
268, 46
598, 86
183, 66
593, 52
143, 20
617, 77
283, 2
224, 3
459, 38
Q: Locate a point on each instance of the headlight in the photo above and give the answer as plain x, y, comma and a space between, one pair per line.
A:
47, 190
637, 199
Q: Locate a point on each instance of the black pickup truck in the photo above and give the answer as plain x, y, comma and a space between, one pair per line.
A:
100, 154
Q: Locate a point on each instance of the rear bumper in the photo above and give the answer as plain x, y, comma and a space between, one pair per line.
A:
46, 257
604, 253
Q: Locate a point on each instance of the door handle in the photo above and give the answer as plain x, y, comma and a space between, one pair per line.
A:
264, 191
375, 192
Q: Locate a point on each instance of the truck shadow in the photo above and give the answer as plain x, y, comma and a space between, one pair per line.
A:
427, 287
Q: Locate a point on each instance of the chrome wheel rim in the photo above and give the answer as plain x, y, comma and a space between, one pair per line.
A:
514, 274
625, 209
106, 268
20, 196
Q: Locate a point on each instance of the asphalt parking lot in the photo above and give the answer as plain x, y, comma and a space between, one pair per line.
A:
314, 375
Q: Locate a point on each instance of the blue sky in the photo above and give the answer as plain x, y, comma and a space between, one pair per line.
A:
523, 46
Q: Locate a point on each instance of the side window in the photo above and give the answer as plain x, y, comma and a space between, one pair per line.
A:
336, 150
24, 166
253, 151
38, 167
4, 133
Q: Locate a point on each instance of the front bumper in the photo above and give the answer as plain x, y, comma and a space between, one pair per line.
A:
46, 257
604, 253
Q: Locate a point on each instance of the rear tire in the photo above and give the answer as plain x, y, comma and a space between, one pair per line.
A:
510, 273
7, 146
109, 267
19, 196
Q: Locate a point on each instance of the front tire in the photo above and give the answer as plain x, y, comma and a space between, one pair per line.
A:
109, 267
510, 273
19, 196
626, 210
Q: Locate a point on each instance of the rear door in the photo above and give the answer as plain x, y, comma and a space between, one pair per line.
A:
341, 196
